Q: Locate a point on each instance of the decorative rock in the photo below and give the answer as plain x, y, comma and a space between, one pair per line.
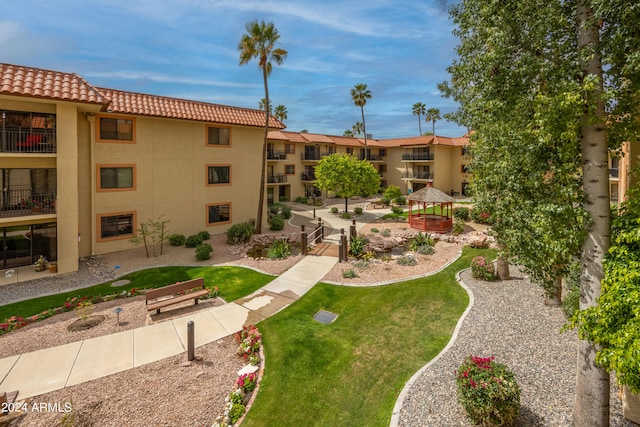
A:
248, 369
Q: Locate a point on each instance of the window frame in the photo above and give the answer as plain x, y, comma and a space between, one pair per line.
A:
292, 173
134, 221
206, 136
290, 145
134, 172
219, 184
210, 205
99, 118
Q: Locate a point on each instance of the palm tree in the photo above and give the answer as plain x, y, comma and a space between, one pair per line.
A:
419, 109
262, 103
357, 128
281, 113
259, 42
432, 115
348, 132
359, 95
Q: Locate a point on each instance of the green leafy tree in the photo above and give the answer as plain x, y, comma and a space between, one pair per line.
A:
347, 176
359, 96
281, 113
151, 233
419, 109
530, 81
348, 133
433, 115
260, 42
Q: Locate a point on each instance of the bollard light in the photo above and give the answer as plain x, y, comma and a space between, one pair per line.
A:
190, 344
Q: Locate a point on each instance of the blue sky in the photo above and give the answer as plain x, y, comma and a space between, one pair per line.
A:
188, 49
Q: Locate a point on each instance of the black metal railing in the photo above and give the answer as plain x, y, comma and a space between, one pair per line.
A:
28, 141
308, 176
613, 172
311, 156
23, 202
418, 156
276, 155
271, 179
417, 175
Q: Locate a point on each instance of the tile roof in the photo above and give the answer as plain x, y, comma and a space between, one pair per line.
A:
39, 83
161, 106
348, 141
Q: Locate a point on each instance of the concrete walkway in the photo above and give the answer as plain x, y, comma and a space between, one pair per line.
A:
54, 368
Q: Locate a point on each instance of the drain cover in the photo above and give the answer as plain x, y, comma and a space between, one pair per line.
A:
325, 317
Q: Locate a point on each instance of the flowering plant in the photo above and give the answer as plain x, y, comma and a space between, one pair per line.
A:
247, 382
40, 264
488, 391
481, 269
249, 339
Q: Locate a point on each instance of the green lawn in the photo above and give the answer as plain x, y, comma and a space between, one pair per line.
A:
349, 373
233, 283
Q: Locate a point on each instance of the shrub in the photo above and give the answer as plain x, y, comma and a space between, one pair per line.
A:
386, 233
407, 261
481, 269
458, 227
205, 235
392, 192
334, 210
397, 211
301, 199
425, 250
247, 382
400, 200
481, 216
203, 251
193, 241
236, 411
374, 230
276, 223
273, 210
461, 213
240, 233
346, 215
356, 248
422, 239
385, 200
286, 212
279, 249
349, 273
357, 210
177, 239
488, 391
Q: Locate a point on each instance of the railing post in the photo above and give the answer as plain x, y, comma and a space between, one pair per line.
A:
303, 241
352, 229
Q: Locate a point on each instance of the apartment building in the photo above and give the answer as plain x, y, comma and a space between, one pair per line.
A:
83, 166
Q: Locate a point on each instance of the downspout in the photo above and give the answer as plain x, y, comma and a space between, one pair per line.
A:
92, 139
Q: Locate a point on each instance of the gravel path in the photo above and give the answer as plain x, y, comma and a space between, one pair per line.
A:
509, 321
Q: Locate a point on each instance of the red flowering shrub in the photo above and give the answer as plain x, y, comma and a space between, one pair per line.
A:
488, 391
249, 339
481, 269
247, 382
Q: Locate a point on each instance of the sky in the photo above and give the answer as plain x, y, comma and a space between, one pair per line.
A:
189, 49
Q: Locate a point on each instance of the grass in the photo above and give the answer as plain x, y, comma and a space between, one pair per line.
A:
351, 371
233, 283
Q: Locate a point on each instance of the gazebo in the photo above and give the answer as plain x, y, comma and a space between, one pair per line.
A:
427, 217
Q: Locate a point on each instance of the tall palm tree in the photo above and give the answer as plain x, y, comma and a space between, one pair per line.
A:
419, 109
281, 113
263, 102
259, 42
432, 115
359, 95
348, 132
357, 128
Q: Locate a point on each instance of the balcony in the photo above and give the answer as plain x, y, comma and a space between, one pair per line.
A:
306, 157
613, 173
276, 155
410, 157
308, 176
25, 202
372, 157
28, 141
277, 179
418, 175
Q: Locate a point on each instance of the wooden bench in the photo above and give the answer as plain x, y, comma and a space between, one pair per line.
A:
379, 205
173, 294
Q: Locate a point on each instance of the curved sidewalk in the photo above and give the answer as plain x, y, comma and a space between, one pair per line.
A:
54, 368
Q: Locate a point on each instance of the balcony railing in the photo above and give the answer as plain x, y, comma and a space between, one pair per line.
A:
417, 156
311, 156
418, 175
372, 157
308, 176
25, 202
271, 179
613, 172
28, 141
276, 155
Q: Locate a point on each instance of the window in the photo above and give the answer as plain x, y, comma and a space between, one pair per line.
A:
349, 150
382, 152
218, 213
116, 226
289, 169
116, 129
116, 177
218, 136
382, 168
466, 169
217, 174
289, 148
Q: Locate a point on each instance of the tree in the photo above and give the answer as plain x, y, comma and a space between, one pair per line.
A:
531, 86
419, 109
263, 102
259, 42
281, 113
359, 96
433, 114
348, 132
156, 231
347, 176
356, 129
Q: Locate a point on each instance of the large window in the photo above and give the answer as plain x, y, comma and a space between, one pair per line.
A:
289, 148
116, 177
218, 136
218, 213
116, 226
116, 129
218, 174
289, 169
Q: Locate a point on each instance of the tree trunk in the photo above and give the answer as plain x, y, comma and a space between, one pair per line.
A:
264, 155
591, 406
364, 130
144, 239
346, 200
502, 268
555, 300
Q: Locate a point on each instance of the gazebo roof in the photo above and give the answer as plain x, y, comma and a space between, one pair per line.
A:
430, 195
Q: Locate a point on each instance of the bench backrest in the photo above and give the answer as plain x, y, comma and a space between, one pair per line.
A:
175, 288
